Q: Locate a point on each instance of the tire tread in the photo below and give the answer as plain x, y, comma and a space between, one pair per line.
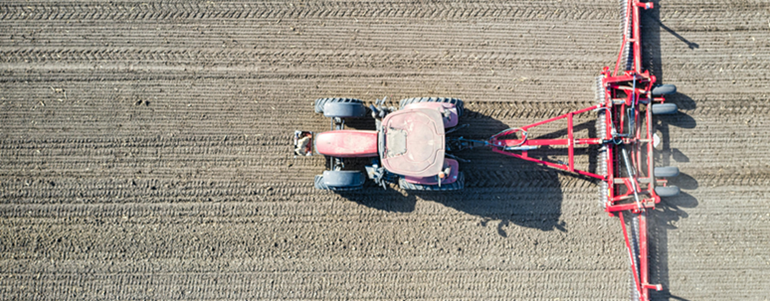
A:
455, 101
318, 104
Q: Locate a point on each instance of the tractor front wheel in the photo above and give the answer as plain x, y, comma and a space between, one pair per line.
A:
340, 107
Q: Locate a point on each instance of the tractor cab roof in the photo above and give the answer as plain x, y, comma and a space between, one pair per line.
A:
413, 142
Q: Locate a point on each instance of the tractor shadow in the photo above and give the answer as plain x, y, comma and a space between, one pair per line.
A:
504, 191
670, 210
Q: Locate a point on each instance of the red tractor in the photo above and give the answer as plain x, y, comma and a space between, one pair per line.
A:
408, 147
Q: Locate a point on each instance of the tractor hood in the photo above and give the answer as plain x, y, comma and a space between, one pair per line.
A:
414, 142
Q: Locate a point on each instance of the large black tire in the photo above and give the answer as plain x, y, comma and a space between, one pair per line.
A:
457, 185
667, 191
355, 107
660, 90
340, 180
344, 110
664, 109
457, 102
666, 171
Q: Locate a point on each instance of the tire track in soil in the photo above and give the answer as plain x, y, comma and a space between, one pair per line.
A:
196, 11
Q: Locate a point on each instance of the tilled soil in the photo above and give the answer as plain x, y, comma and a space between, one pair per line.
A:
144, 151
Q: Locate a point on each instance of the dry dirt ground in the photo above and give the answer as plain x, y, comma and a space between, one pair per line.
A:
144, 151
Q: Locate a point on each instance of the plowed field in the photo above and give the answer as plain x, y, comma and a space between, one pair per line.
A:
145, 151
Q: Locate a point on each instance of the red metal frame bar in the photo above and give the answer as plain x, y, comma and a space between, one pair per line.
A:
630, 253
501, 145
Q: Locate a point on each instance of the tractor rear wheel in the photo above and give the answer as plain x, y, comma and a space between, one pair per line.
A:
340, 180
457, 102
340, 107
667, 191
660, 90
664, 109
456, 185
666, 171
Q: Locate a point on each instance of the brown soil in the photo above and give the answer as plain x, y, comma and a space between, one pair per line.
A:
144, 151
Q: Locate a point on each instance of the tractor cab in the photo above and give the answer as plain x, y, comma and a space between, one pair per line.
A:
413, 142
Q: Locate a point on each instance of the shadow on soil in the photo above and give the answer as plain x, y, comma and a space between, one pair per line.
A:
670, 210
